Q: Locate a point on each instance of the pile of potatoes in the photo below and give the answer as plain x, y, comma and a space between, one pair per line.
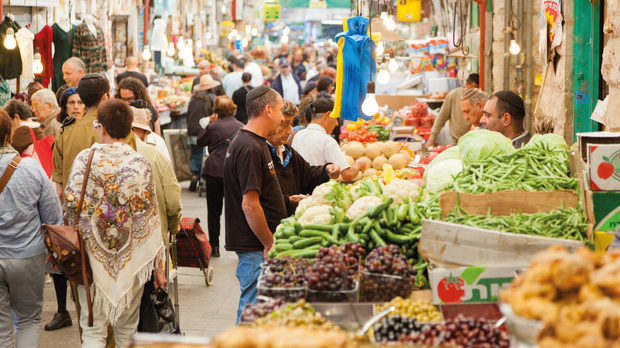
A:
375, 155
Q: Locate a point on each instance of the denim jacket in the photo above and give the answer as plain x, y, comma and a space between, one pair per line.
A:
28, 200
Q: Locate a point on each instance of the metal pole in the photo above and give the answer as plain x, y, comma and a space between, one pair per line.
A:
507, 17
529, 73
482, 18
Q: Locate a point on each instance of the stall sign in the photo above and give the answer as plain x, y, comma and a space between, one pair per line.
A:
272, 12
604, 167
469, 284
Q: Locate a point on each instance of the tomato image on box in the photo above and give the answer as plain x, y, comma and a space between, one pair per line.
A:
469, 284
604, 167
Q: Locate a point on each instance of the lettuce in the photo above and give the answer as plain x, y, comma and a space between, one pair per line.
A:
441, 175
549, 141
481, 144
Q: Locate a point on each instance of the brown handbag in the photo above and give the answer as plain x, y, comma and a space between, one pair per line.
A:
66, 247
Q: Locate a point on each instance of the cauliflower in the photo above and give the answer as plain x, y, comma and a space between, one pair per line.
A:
399, 189
318, 214
359, 207
322, 190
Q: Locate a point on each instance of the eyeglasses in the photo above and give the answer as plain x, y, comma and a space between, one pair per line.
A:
127, 100
96, 124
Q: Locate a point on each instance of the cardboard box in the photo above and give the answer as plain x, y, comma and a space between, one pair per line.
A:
469, 284
446, 244
604, 163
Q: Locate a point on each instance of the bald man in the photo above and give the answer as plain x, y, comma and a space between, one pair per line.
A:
131, 70
72, 71
204, 67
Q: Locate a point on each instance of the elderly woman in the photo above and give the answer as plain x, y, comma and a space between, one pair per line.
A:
27, 201
71, 107
120, 226
216, 135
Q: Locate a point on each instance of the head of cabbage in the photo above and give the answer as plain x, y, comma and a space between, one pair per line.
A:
549, 141
480, 144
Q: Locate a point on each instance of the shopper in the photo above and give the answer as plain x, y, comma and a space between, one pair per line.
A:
73, 70
298, 65
253, 199
315, 144
307, 98
204, 67
297, 177
504, 112
451, 111
131, 89
45, 108
240, 95
71, 107
22, 123
286, 83
254, 68
325, 88
217, 136
232, 80
142, 129
200, 106
472, 105
121, 234
131, 70
27, 201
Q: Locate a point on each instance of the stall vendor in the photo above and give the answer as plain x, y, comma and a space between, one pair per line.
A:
472, 105
504, 112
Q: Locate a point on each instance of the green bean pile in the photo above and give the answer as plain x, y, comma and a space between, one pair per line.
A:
559, 223
527, 169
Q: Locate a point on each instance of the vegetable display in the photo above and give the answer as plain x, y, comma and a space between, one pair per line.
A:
420, 310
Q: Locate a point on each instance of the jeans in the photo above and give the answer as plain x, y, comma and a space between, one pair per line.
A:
215, 200
125, 327
195, 159
21, 301
248, 271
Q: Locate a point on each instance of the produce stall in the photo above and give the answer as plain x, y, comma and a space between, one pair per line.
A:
170, 98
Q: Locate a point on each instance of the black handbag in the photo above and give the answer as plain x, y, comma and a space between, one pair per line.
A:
157, 312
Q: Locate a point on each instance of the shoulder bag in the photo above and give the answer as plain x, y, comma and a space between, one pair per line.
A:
8, 173
66, 247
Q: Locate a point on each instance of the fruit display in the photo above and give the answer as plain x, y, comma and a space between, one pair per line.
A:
281, 337
366, 131
386, 274
376, 155
332, 277
460, 332
260, 309
298, 314
420, 310
576, 296
390, 329
414, 117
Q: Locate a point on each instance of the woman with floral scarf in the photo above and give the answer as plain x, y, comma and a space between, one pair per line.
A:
120, 225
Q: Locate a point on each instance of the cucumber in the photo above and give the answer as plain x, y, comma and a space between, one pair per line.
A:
283, 247
314, 233
319, 227
307, 253
298, 227
288, 231
293, 239
304, 243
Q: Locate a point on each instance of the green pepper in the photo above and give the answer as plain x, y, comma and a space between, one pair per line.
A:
402, 212
374, 212
376, 238
413, 215
398, 239
351, 235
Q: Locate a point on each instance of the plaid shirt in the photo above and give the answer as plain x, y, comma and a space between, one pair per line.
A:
89, 48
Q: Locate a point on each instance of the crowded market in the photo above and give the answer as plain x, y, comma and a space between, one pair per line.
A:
309, 173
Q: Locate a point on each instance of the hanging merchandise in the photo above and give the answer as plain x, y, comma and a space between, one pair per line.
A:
409, 10
62, 51
44, 44
10, 59
25, 39
88, 45
355, 67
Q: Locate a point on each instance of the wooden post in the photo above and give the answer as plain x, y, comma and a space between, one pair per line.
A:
147, 8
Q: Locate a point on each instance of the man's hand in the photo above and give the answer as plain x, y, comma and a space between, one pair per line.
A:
333, 171
160, 280
430, 143
361, 165
267, 250
296, 198
213, 118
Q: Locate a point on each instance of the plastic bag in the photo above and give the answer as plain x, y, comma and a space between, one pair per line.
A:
157, 312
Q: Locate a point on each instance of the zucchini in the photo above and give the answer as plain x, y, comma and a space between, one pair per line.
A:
283, 247
304, 243
319, 227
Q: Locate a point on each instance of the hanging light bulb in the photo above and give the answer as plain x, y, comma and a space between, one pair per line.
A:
392, 65
37, 66
384, 15
284, 39
223, 8
244, 43
146, 54
180, 44
198, 43
514, 47
208, 35
248, 29
389, 23
254, 31
286, 31
170, 51
379, 50
383, 77
370, 106
9, 41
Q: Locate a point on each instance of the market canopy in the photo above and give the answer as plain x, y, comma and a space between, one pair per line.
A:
316, 3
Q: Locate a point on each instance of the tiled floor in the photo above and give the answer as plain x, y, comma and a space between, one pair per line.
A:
204, 311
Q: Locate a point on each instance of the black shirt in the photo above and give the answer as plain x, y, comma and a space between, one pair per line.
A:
248, 166
138, 75
239, 98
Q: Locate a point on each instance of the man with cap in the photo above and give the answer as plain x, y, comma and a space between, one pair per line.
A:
286, 83
239, 97
504, 112
140, 126
254, 204
472, 104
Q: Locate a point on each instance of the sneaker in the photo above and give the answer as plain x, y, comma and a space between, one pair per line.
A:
59, 321
48, 279
193, 183
215, 252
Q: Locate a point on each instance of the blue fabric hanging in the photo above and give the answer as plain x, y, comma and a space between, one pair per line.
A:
357, 64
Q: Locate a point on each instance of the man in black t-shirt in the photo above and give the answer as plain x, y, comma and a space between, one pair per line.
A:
254, 204
132, 71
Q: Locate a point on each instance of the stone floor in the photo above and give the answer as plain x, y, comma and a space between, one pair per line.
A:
204, 310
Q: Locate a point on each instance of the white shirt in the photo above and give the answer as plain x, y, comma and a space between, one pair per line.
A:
24, 38
257, 74
232, 82
159, 143
319, 148
290, 89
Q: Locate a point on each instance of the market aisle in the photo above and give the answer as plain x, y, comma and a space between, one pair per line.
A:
205, 311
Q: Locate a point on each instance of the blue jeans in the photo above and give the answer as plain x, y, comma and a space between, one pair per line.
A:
196, 157
248, 271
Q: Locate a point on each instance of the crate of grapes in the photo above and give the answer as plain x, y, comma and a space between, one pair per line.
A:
282, 287
376, 287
